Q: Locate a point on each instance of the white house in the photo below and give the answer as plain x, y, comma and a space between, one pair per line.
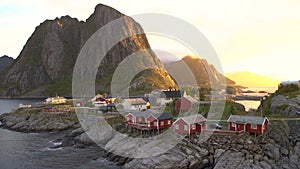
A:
134, 104
56, 100
285, 83
162, 97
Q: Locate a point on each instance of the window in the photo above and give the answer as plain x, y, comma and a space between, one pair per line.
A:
176, 126
185, 127
169, 122
193, 126
155, 123
128, 118
140, 119
233, 125
253, 126
162, 123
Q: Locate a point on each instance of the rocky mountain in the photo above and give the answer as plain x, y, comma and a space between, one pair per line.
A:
203, 72
45, 65
5, 61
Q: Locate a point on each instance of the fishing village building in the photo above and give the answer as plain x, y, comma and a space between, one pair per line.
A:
186, 103
149, 119
190, 124
251, 124
136, 104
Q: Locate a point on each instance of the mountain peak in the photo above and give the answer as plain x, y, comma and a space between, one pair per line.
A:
49, 55
200, 69
189, 57
5, 61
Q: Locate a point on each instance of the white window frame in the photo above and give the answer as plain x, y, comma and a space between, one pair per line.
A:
169, 122
253, 126
155, 123
233, 125
162, 123
185, 127
128, 118
193, 126
176, 126
140, 119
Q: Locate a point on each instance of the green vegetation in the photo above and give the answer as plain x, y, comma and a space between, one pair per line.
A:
62, 88
290, 90
230, 108
234, 109
170, 108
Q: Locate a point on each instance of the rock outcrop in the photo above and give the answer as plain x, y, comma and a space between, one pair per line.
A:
285, 105
5, 61
49, 55
35, 120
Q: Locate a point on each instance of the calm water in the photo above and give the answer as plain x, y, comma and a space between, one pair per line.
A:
26, 151
8, 105
249, 104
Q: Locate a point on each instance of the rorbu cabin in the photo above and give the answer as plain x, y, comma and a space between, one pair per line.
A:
190, 124
49, 109
186, 103
251, 124
159, 121
149, 119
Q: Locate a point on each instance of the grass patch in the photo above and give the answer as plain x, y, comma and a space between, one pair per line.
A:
61, 88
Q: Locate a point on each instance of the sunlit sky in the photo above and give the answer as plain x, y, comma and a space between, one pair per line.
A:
257, 36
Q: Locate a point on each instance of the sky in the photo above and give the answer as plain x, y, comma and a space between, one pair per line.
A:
256, 36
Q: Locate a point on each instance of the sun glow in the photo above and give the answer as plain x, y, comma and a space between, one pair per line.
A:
59, 24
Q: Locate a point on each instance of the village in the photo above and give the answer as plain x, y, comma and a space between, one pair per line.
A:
147, 115
160, 110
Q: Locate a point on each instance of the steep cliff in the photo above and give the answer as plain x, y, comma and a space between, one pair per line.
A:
45, 65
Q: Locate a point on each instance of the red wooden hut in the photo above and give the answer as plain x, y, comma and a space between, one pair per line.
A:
251, 124
190, 124
150, 119
159, 121
49, 109
185, 103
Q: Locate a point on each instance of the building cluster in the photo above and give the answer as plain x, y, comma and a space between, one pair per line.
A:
154, 120
143, 113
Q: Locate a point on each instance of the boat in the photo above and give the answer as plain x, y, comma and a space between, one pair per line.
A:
24, 105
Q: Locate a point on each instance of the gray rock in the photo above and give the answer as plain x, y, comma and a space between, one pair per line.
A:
34, 120
272, 152
265, 165
188, 151
297, 149
294, 160
229, 160
284, 151
285, 105
203, 152
218, 153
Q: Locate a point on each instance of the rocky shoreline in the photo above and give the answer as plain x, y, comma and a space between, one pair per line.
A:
279, 148
34, 120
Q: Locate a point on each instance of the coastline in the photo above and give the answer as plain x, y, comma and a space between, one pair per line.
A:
23, 97
273, 150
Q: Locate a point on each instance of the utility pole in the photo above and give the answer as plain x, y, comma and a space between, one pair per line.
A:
261, 106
